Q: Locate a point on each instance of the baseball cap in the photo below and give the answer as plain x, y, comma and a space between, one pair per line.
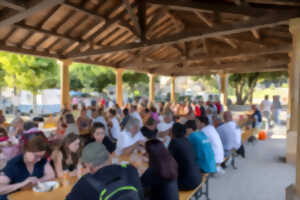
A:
95, 154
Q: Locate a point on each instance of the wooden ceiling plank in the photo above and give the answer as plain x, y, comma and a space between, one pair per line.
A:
269, 21
13, 4
85, 11
95, 35
4, 47
43, 31
276, 2
44, 4
142, 7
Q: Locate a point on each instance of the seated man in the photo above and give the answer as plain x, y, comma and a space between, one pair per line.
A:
214, 138
230, 134
189, 176
131, 138
256, 117
28, 168
149, 130
105, 180
164, 128
201, 145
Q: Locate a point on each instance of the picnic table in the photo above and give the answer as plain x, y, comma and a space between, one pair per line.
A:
64, 189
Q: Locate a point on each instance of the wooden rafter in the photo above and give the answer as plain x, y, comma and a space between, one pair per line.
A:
142, 17
269, 21
255, 34
277, 2
13, 4
209, 7
211, 24
11, 19
133, 17
215, 57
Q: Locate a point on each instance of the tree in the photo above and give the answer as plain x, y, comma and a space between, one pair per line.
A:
244, 84
29, 73
133, 78
90, 77
210, 82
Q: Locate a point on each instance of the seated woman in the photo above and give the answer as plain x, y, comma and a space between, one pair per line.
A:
160, 179
84, 122
16, 128
8, 147
71, 125
98, 135
66, 158
189, 176
26, 169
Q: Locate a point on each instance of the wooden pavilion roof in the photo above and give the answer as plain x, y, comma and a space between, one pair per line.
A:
166, 37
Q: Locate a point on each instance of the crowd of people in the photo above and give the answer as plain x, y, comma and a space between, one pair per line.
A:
179, 141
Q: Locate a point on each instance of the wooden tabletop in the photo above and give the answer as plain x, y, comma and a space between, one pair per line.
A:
57, 194
64, 189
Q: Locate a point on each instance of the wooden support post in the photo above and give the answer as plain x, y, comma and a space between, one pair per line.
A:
151, 87
65, 83
119, 87
173, 86
292, 107
295, 31
223, 89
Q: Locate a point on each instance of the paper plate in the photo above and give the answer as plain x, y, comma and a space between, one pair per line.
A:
46, 186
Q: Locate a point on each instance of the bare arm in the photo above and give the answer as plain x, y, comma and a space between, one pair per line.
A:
57, 158
6, 188
48, 173
130, 149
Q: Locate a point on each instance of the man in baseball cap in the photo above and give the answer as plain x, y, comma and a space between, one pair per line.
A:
104, 179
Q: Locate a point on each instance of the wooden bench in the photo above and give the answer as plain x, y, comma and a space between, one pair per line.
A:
198, 191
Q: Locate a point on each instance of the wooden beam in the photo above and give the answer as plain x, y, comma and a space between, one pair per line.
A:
45, 4
215, 57
211, 24
133, 17
276, 2
209, 7
15, 49
142, 7
262, 22
13, 4
255, 34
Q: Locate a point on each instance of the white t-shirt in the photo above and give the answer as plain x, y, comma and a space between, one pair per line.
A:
266, 104
126, 140
116, 129
215, 140
163, 126
230, 135
137, 116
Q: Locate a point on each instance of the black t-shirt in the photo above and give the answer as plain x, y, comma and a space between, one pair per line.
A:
160, 189
189, 176
84, 191
148, 133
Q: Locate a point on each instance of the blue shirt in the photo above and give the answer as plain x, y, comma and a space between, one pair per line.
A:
17, 172
204, 153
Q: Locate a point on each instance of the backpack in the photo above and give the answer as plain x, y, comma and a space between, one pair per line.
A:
116, 188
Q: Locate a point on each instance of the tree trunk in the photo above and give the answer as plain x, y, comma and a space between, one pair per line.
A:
34, 103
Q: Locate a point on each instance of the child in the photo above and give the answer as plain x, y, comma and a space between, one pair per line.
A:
98, 134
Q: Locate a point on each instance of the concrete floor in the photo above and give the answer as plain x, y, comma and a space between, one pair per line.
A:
261, 176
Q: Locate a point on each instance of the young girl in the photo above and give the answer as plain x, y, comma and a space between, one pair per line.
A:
66, 158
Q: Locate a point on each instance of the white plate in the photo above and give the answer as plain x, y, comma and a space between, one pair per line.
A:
46, 186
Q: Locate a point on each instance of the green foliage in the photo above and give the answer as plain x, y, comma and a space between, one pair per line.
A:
28, 72
90, 77
210, 82
133, 78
